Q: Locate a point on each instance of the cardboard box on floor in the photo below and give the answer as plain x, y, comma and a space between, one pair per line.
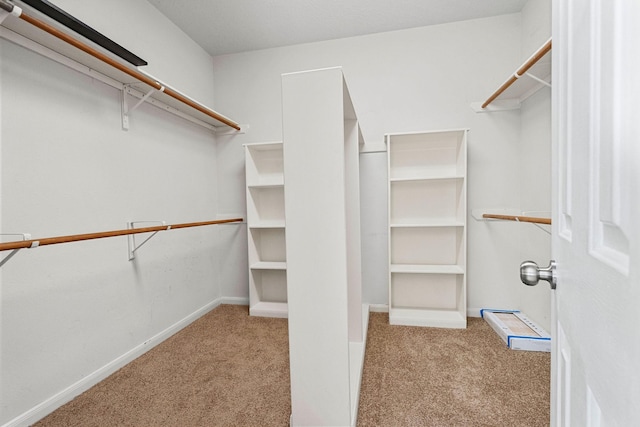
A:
517, 330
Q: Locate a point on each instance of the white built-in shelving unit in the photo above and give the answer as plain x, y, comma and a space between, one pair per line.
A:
327, 321
266, 229
427, 228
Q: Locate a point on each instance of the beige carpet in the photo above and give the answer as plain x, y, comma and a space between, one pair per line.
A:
225, 369
450, 377
230, 369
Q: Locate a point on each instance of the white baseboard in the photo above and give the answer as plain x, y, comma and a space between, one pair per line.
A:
473, 312
378, 308
384, 308
234, 300
48, 406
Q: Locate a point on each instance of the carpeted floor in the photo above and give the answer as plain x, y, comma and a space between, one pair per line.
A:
225, 369
231, 369
450, 377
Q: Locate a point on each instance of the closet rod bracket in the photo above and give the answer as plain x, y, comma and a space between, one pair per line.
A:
538, 79
126, 110
25, 236
244, 128
8, 8
131, 238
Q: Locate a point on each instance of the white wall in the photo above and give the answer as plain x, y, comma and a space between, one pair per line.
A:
69, 310
410, 80
535, 167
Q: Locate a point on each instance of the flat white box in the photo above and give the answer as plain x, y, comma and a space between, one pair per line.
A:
517, 330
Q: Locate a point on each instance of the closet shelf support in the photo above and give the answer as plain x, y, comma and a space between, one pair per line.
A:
126, 110
131, 238
538, 79
25, 236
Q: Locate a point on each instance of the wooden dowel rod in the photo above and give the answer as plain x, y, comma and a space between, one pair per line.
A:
537, 56
498, 92
535, 220
131, 72
523, 69
22, 244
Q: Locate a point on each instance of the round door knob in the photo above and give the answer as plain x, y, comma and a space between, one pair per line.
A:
531, 274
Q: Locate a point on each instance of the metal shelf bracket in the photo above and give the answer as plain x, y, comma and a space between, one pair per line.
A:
538, 79
25, 236
131, 238
126, 110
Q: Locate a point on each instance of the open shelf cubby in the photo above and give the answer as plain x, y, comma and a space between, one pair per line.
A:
266, 230
427, 228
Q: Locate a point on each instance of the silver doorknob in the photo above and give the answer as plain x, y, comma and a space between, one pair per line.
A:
530, 273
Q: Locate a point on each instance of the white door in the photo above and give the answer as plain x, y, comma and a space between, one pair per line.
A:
596, 231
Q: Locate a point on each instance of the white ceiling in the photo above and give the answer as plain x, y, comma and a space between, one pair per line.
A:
231, 26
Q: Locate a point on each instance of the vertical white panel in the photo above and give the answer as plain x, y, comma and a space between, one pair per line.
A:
563, 62
316, 245
594, 414
563, 413
352, 204
2, 230
610, 154
597, 294
373, 196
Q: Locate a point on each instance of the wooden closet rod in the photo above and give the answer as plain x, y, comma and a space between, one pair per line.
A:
519, 218
22, 244
520, 72
104, 58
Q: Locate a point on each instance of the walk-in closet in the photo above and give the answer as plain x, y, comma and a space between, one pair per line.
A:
311, 213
